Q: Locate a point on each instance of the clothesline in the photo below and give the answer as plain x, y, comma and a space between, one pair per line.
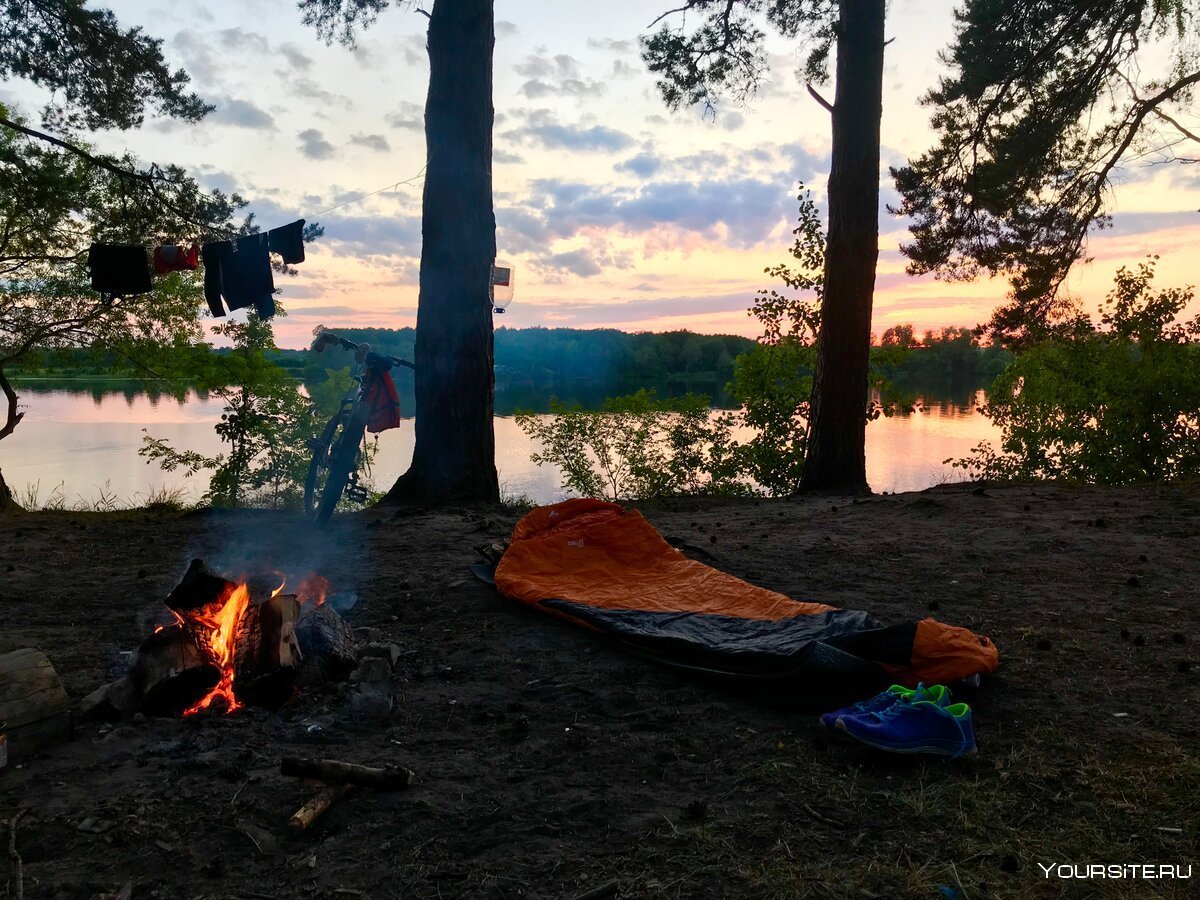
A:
386, 187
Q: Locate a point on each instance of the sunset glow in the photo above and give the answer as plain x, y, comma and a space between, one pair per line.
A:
615, 212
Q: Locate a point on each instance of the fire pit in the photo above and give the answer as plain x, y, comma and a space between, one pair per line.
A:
225, 644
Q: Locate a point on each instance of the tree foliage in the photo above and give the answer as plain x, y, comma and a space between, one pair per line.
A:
725, 55
1113, 402
266, 423
638, 447
99, 74
1044, 103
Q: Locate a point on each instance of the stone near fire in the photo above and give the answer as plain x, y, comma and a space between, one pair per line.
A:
390, 652
372, 668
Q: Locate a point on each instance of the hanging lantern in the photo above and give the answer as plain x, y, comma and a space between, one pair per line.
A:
502, 285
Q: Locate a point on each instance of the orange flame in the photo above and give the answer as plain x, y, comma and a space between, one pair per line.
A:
222, 629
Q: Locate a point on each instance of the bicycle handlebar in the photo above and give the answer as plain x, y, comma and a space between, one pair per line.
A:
328, 337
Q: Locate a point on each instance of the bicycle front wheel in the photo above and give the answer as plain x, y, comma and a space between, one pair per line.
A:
341, 459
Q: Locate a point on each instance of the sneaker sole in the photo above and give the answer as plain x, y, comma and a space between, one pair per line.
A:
906, 748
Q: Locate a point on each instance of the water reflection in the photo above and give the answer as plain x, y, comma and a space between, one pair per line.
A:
85, 434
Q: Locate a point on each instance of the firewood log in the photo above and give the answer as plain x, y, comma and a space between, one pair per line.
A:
318, 806
200, 591
267, 651
333, 771
172, 672
32, 702
327, 645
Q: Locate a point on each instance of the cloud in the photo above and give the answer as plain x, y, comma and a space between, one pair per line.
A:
213, 179
643, 164
556, 76
731, 121
544, 130
503, 156
307, 89
323, 311
412, 47
630, 309
410, 116
376, 142
1129, 223
296, 58
739, 211
572, 262
505, 28
612, 46
239, 42
383, 236
198, 58
240, 113
314, 146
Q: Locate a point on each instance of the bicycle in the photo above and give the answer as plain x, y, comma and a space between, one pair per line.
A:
335, 461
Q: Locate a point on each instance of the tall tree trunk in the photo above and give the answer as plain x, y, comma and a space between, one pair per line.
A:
835, 458
11, 419
7, 502
455, 453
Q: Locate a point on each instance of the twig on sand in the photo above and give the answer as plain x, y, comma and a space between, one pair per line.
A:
821, 818
600, 893
18, 866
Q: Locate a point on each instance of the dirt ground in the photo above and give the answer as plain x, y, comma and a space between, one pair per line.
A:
551, 764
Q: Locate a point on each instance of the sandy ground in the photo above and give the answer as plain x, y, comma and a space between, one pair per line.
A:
551, 764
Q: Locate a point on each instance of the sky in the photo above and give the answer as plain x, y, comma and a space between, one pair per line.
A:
613, 211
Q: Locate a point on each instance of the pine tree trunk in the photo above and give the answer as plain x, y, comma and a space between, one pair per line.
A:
454, 457
835, 458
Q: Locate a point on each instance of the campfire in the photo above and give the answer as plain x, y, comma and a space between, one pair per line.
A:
225, 644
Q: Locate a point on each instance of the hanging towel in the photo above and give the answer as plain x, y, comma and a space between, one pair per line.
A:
119, 269
288, 241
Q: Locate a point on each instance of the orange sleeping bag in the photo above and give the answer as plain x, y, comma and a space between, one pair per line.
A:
605, 568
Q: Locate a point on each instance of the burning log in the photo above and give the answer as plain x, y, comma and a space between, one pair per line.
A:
333, 771
201, 591
172, 672
266, 650
236, 642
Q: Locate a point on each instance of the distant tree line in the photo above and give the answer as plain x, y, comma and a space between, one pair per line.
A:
556, 357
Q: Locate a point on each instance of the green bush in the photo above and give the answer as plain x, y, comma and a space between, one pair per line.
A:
638, 447
1110, 403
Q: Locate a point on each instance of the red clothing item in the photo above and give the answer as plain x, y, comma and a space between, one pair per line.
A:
384, 402
173, 258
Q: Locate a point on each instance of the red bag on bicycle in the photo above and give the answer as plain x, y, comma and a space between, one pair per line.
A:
383, 402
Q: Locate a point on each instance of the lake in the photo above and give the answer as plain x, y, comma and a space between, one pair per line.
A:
81, 439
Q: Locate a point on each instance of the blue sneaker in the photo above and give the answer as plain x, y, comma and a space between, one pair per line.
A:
917, 727
939, 694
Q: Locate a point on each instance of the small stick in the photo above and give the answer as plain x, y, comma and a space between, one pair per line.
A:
600, 893
18, 867
318, 806
333, 771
